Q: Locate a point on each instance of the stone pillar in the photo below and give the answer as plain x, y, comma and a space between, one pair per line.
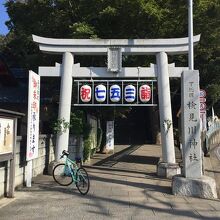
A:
190, 122
65, 102
167, 167
193, 183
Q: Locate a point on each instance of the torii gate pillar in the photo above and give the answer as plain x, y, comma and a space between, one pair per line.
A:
65, 103
167, 167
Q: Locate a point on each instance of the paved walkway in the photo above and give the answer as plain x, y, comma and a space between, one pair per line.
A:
123, 186
212, 166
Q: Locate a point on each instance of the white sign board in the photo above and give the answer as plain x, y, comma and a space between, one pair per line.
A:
33, 115
114, 59
6, 135
202, 100
110, 136
203, 119
192, 155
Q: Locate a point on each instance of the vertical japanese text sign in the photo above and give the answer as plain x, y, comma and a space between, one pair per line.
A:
190, 105
6, 135
203, 109
110, 136
114, 59
33, 115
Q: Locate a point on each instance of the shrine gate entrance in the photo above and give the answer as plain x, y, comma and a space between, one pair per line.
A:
140, 126
114, 78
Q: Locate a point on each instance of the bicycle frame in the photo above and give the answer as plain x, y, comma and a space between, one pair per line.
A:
72, 167
68, 171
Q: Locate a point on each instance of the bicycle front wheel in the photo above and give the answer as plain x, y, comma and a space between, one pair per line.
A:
62, 175
82, 181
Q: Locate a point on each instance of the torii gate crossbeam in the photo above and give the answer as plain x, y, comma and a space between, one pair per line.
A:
84, 47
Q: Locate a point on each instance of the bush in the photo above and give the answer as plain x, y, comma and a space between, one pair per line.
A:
78, 126
87, 149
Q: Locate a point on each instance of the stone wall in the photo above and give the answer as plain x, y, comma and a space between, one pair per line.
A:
75, 147
93, 133
40, 164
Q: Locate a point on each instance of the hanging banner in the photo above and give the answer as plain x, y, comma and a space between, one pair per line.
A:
110, 136
202, 99
6, 135
33, 115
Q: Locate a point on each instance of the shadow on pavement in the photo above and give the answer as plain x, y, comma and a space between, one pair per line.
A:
113, 159
140, 159
92, 203
125, 172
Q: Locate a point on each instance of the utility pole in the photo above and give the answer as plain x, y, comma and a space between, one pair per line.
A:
190, 35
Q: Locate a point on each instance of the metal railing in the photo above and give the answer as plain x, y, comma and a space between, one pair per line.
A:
213, 135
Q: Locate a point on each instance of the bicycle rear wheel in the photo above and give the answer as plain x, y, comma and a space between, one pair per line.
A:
62, 175
82, 181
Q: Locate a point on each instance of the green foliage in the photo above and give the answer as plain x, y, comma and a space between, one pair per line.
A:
87, 149
214, 93
93, 151
78, 126
99, 138
115, 19
86, 131
60, 126
2, 42
83, 30
77, 122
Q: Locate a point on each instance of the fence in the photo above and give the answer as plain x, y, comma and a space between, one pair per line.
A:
213, 135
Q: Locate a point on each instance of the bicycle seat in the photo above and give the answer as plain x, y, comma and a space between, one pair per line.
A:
65, 152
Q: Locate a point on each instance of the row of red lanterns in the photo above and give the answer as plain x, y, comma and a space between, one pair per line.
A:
115, 93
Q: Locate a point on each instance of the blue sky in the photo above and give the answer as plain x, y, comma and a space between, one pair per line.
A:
3, 18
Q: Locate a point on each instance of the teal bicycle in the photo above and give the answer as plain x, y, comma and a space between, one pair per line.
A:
68, 172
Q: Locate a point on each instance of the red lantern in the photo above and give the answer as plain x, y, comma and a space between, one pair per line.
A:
85, 93
145, 93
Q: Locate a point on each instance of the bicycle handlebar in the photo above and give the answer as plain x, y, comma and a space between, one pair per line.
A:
64, 153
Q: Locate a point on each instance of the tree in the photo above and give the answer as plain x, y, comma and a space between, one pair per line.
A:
207, 18
115, 19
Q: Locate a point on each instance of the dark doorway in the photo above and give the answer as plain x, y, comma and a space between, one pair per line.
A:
136, 128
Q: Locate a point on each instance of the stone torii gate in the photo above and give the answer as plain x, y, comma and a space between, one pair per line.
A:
161, 48
193, 182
